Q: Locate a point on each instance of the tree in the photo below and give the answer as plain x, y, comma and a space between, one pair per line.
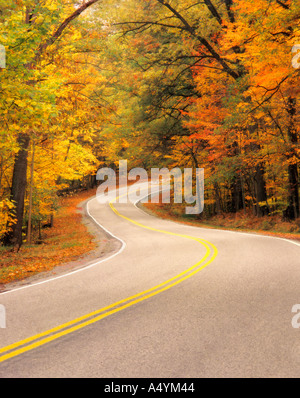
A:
40, 17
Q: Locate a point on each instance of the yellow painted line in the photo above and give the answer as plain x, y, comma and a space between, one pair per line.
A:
202, 241
115, 307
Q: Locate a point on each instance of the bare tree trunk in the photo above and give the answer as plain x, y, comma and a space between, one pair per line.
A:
293, 206
243, 192
218, 199
260, 191
14, 236
293, 191
236, 195
30, 195
1, 172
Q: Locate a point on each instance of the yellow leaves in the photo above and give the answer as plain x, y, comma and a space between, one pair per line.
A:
20, 103
51, 5
39, 20
6, 216
6, 204
15, 127
88, 138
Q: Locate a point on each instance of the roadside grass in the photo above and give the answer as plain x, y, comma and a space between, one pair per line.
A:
268, 225
66, 241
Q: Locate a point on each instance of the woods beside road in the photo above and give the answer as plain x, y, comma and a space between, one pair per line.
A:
212, 84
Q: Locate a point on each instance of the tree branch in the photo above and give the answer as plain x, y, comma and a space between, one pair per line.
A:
285, 6
202, 40
213, 11
230, 13
42, 48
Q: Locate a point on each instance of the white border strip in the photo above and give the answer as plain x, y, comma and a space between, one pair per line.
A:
253, 234
123, 245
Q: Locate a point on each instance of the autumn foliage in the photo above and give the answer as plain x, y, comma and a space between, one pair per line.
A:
212, 84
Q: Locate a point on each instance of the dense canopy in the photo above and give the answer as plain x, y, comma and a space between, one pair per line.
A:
162, 83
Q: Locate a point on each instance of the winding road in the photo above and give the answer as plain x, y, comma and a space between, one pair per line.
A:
170, 301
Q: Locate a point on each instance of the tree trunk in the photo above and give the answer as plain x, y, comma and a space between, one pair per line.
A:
260, 191
243, 192
218, 199
293, 209
236, 186
30, 195
14, 237
236, 195
293, 199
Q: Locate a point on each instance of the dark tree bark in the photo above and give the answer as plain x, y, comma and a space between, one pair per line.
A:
14, 236
293, 200
293, 210
230, 13
260, 191
218, 199
236, 195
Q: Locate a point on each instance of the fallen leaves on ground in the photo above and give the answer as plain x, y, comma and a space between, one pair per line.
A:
66, 241
268, 225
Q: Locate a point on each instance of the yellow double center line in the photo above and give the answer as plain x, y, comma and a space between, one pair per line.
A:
95, 316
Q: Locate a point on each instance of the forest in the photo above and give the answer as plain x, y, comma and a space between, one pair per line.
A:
211, 84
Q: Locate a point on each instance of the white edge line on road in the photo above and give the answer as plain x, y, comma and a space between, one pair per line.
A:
83, 268
124, 245
253, 234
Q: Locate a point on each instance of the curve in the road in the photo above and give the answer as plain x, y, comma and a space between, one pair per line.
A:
95, 316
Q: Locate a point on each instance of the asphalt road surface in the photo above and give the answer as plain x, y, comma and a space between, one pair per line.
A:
171, 301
